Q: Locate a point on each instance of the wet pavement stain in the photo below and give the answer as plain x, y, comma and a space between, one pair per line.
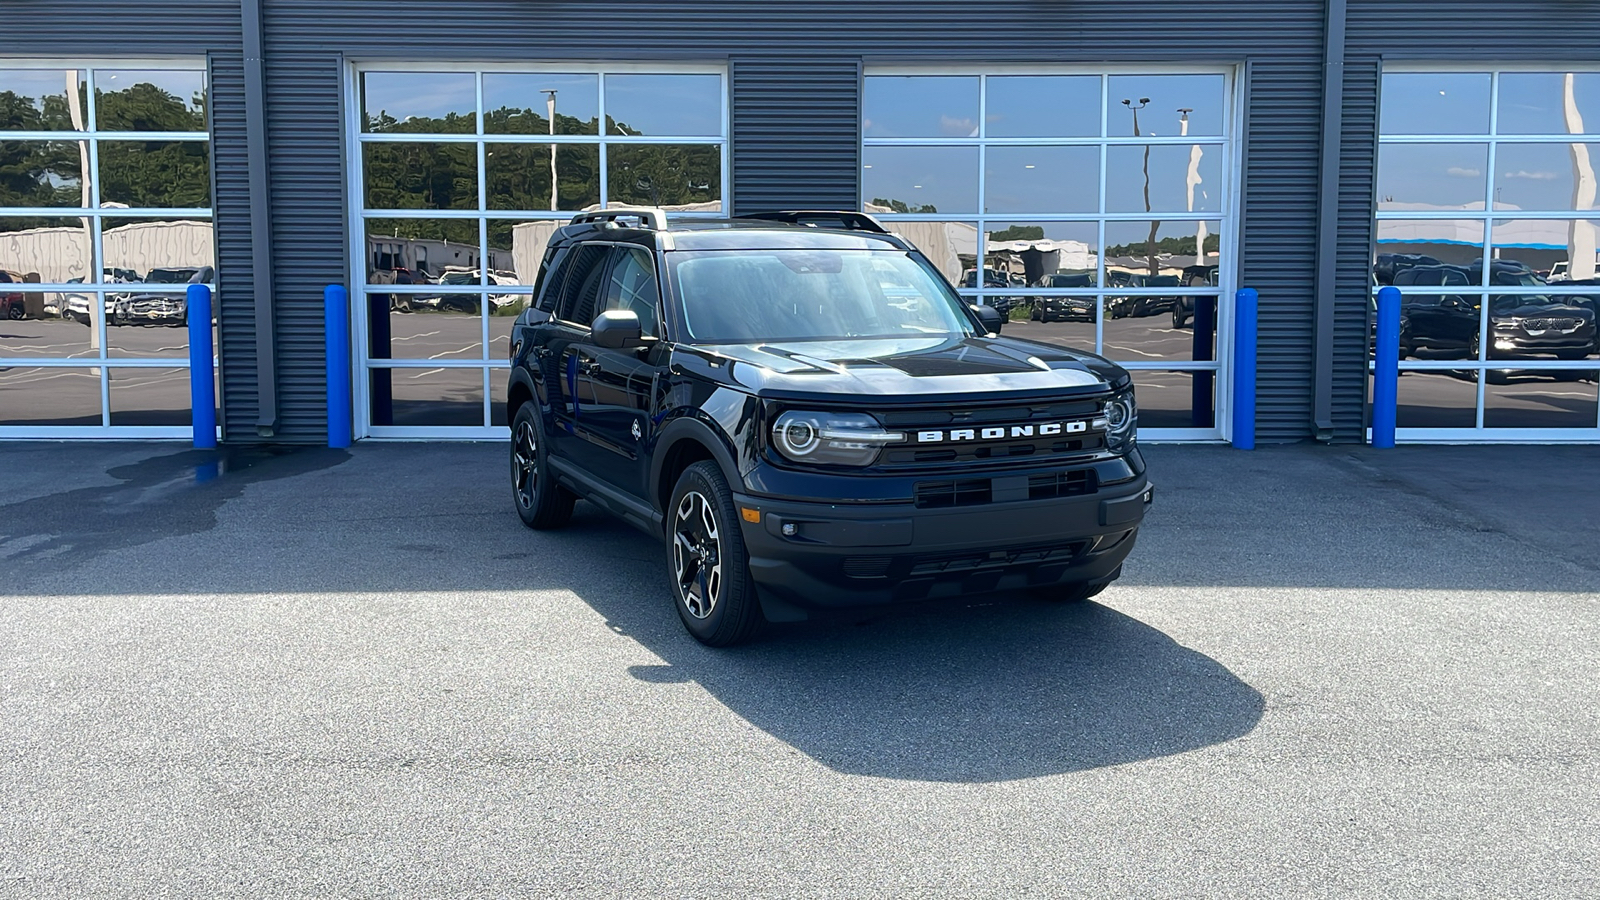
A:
159, 497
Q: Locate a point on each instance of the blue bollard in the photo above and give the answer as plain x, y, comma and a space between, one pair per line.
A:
1245, 306
1386, 368
336, 328
202, 375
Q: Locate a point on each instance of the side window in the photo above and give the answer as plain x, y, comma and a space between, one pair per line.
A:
581, 286
547, 284
632, 285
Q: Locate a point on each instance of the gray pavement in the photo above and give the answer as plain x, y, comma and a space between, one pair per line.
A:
1327, 672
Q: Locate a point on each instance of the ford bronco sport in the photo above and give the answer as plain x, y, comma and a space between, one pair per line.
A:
809, 417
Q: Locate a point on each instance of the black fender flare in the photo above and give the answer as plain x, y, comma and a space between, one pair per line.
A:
521, 377
689, 428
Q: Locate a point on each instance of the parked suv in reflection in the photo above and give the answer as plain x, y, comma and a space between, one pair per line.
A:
810, 418
1520, 325
1071, 309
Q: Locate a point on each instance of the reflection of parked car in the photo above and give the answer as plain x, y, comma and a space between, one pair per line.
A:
1519, 324
1138, 307
1388, 265
1046, 309
11, 305
994, 278
469, 302
1193, 276
402, 275
170, 309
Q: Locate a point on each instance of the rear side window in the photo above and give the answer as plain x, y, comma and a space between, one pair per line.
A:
580, 287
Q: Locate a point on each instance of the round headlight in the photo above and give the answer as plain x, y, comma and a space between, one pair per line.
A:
798, 437
833, 439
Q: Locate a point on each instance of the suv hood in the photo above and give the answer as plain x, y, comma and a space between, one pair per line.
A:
912, 369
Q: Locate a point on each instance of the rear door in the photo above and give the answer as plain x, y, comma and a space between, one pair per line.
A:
556, 342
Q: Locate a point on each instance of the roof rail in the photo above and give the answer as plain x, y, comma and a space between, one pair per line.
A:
651, 218
849, 221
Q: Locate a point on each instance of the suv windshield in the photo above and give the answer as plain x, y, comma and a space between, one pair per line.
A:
744, 296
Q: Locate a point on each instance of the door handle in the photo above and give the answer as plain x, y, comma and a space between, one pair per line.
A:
589, 366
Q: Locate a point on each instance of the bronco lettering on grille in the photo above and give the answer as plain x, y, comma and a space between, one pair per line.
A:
997, 433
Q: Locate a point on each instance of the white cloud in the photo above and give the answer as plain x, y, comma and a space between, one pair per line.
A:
1460, 172
1533, 176
958, 127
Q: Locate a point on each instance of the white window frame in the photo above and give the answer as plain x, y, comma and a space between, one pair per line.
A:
1479, 433
90, 139
1228, 216
495, 371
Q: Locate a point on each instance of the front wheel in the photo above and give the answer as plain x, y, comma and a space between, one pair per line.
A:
16, 312
707, 560
541, 503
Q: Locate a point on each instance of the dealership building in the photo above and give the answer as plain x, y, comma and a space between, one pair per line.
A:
1144, 160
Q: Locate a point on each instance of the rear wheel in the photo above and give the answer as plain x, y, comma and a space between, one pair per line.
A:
541, 503
707, 560
1178, 318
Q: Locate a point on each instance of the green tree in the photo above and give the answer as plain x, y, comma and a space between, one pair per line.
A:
900, 206
1018, 233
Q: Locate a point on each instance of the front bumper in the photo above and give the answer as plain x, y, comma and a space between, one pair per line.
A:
844, 555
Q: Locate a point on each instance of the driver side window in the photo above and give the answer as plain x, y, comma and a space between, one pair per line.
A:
632, 286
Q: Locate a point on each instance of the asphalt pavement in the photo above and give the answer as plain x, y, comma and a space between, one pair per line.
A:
1330, 672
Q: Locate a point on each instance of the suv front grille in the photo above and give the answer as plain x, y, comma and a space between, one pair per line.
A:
1062, 484
960, 562
945, 494
1029, 448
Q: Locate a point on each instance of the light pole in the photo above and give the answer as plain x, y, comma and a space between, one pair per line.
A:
1193, 181
1150, 243
550, 115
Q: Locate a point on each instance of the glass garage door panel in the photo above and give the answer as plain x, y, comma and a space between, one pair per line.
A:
461, 178
1088, 207
1486, 223
106, 225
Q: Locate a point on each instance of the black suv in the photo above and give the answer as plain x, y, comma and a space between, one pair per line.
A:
810, 418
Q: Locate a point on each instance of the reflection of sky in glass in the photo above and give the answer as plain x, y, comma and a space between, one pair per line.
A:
1531, 102
1435, 103
577, 96
1537, 176
427, 95
666, 104
1043, 106
943, 177
1432, 175
36, 84
919, 106
1169, 178
1168, 93
1042, 179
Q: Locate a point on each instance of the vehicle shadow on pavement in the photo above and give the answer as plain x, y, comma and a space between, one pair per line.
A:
1011, 689
995, 688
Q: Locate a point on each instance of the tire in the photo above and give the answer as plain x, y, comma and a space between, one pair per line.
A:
15, 312
1178, 318
540, 502
707, 562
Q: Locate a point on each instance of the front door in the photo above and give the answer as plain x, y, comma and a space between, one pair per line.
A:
616, 385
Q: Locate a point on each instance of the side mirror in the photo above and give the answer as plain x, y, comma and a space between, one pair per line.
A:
617, 329
988, 316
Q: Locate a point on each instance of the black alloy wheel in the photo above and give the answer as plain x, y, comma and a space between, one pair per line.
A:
541, 503
16, 311
707, 560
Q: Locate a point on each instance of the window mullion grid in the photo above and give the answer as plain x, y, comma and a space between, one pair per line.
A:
1100, 225
982, 242
483, 242
600, 107
1486, 266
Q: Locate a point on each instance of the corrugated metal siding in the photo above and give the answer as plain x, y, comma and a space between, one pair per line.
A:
235, 287
797, 129
1282, 123
308, 224
1476, 32
793, 69
1357, 150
